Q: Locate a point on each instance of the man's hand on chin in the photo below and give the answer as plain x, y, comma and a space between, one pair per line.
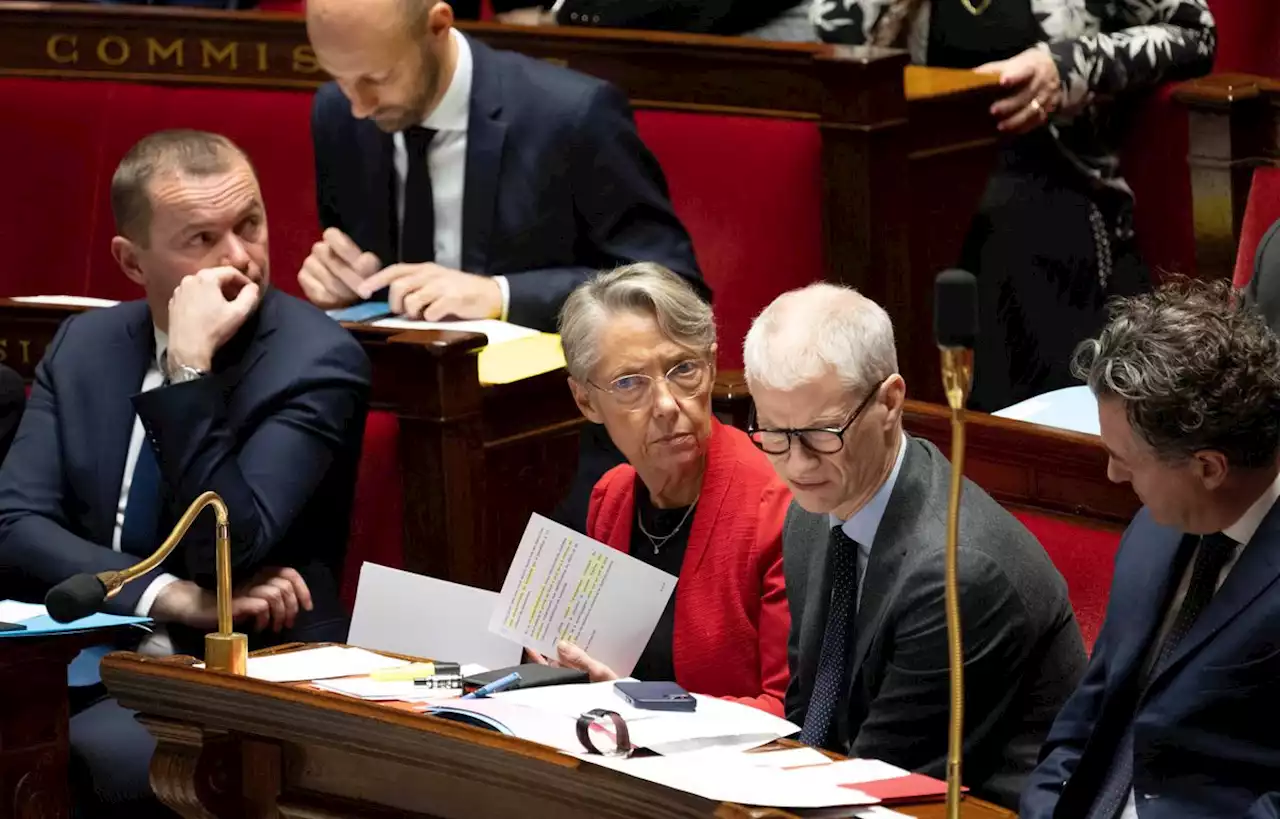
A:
430, 292
205, 311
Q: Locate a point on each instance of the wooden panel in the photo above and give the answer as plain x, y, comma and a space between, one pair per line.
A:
477, 460
1234, 122
324, 755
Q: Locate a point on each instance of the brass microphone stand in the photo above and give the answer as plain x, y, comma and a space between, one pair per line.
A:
224, 650
957, 377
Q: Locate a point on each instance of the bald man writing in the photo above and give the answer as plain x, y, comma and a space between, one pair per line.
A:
462, 182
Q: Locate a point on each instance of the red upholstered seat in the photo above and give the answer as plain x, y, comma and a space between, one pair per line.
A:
1086, 558
1248, 34
750, 192
56, 218
1261, 213
377, 513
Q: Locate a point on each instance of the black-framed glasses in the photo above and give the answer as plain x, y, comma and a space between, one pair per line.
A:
635, 391
820, 440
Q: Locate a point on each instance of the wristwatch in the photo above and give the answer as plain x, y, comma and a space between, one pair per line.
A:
182, 374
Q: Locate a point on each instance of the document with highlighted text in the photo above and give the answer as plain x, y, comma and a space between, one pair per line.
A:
564, 585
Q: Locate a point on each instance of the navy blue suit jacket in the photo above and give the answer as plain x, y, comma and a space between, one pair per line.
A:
1205, 735
558, 183
275, 430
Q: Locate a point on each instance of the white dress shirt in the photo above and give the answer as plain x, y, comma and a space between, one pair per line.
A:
862, 526
158, 641
447, 165
1241, 532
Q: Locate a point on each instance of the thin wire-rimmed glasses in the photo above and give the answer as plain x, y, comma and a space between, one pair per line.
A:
820, 440
635, 391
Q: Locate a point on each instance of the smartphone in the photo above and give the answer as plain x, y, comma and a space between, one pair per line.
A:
656, 696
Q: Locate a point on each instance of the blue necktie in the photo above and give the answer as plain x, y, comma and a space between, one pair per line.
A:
142, 510
833, 662
1214, 552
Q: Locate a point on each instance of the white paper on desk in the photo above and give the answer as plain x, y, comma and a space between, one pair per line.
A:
327, 662
497, 331
67, 301
718, 723
419, 616
728, 777
564, 585
14, 611
366, 688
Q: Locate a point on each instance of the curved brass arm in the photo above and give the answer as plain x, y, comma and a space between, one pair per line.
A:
225, 650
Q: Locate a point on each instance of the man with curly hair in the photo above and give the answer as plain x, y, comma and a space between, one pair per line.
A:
1169, 720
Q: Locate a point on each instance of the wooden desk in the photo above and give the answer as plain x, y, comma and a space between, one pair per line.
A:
462, 444
34, 747
905, 151
235, 747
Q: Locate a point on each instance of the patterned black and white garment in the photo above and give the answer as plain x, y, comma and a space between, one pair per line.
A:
1053, 238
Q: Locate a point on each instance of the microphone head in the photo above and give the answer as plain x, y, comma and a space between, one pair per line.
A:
77, 596
955, 309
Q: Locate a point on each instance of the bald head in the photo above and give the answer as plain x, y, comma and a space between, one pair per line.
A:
391, 58
817, 331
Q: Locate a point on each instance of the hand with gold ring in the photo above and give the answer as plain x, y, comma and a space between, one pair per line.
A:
1036, 88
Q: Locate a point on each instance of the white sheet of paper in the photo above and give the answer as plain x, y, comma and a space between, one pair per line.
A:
324, 663
788, 758
563, 584
715, 723
849, 772
13, 611
727, 777
406, 613
67, 301
497, 331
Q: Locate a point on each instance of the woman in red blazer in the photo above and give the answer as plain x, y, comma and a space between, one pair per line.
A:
695, 497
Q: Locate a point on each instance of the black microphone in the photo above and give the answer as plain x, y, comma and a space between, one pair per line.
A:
77, 596
955, 309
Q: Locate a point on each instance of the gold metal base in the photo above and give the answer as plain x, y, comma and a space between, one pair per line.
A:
227, 652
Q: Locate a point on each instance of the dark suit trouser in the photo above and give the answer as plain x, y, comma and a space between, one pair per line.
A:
110, 765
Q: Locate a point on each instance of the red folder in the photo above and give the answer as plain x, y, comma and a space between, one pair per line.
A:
910, 788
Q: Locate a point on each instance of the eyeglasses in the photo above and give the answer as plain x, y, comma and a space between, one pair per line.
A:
820, 440
688, 379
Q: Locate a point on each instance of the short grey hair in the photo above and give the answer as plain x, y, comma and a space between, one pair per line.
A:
181, 150
807, 334
1196, 370
645, 288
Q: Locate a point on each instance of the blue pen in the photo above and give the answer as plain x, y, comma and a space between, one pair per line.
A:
494, 687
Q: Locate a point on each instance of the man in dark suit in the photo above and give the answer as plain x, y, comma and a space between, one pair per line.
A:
863, 550
212, 382
1170, 721
13, 398
472, 183
1263, 289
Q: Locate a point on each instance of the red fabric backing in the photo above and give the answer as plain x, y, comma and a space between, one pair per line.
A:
1260, 214
1154, 161
377, 514
750, 193
1086, 558
1248, 36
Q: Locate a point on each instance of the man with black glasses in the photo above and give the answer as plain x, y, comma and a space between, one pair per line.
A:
863, 552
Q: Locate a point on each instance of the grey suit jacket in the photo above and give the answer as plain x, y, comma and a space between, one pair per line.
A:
1263, 289
1023, 651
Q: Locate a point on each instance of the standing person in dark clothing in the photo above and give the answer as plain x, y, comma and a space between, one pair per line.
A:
1053, 238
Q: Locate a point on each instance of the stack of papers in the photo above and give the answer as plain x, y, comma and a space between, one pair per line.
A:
328, 662
365, 688
36, 621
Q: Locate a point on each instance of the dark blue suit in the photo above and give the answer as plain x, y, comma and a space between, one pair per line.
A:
558, 183
275, 430
1206, 742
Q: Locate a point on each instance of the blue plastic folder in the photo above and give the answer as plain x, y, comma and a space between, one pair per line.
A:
367, 311
44, 624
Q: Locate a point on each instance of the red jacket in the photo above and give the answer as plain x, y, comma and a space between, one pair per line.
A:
731, 616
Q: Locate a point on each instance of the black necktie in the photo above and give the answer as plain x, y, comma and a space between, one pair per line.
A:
833, 662
418, 229
1212, 556
142, 509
